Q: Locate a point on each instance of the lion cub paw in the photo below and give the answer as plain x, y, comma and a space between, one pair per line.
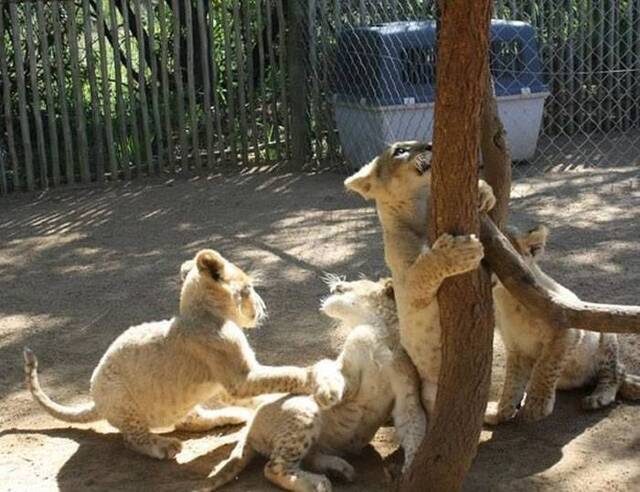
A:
495, 415
318, 483
487, 198
328, 383
463, 253
598, 400
162, 448
169, 448
536, 408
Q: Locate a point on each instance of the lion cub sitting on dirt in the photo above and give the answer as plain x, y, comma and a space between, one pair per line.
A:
399, 182
156, 374
541, 358
380, 382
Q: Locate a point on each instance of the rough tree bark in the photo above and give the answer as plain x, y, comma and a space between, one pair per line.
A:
466, 311
495, 154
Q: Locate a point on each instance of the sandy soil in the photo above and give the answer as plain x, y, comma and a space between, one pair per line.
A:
79, 266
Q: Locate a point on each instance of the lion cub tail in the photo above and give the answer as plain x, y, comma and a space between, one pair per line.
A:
630, 387
230, 468
78, 414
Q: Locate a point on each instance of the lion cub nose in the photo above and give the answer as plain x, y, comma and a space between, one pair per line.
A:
337, 289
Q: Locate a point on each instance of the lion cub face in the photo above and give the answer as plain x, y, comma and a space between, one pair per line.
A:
213, 283
530, 245
403, 167
354, 302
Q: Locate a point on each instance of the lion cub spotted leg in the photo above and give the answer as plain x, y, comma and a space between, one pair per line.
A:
289, 448
202, 419
609, 375
541, 392
137, 436
289, 476
517, 375
330, 465
449, 256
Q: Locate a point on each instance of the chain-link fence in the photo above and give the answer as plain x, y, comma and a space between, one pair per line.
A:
95, 90
566, 76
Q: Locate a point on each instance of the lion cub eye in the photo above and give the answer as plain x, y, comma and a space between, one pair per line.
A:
399, 151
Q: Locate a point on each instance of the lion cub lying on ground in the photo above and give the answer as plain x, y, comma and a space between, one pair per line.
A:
399, 182
380, 382
156, 374
542, 357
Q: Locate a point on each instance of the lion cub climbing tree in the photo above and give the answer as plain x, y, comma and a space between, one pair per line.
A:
467, 122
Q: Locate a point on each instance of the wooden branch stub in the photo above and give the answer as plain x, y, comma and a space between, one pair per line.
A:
516, 276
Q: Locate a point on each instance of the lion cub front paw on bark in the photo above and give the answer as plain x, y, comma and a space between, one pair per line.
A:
463, 253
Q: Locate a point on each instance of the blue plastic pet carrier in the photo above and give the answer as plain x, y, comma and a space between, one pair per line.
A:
385, 85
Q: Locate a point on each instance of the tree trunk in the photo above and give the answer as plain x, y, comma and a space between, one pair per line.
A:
495, 154
466, 311
561, 313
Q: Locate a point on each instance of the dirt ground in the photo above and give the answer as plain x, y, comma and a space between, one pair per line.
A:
79, 266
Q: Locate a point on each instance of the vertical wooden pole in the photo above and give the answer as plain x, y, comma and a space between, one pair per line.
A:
67, 136
206, 81
35, 97
106, 92
142, 85
495, 155
78, 93
179, 87
22, 98
240, 87
466, 311
191, 85
97, 146
131, 94
164, 79
297, 83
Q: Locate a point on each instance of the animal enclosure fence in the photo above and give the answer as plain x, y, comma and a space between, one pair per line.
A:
111, 89
590, 64
102, 90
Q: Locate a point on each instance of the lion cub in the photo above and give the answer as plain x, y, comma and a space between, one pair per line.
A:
381, 382
399, 182
541, 358
155, 375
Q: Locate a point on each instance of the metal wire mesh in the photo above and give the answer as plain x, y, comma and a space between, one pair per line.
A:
569, 95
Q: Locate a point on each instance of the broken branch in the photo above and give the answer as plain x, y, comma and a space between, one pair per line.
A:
516, 276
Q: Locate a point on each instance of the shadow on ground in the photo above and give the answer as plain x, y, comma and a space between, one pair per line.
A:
101, 462
77, 267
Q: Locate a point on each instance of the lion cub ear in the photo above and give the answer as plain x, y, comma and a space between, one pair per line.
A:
362, 182
210, 262
536, 240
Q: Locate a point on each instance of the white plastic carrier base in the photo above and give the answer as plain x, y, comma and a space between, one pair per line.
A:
366, 130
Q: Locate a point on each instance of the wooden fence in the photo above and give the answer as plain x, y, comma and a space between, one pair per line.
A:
114, 89
103, 90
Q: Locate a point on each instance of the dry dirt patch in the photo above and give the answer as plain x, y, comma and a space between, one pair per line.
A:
79, 266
